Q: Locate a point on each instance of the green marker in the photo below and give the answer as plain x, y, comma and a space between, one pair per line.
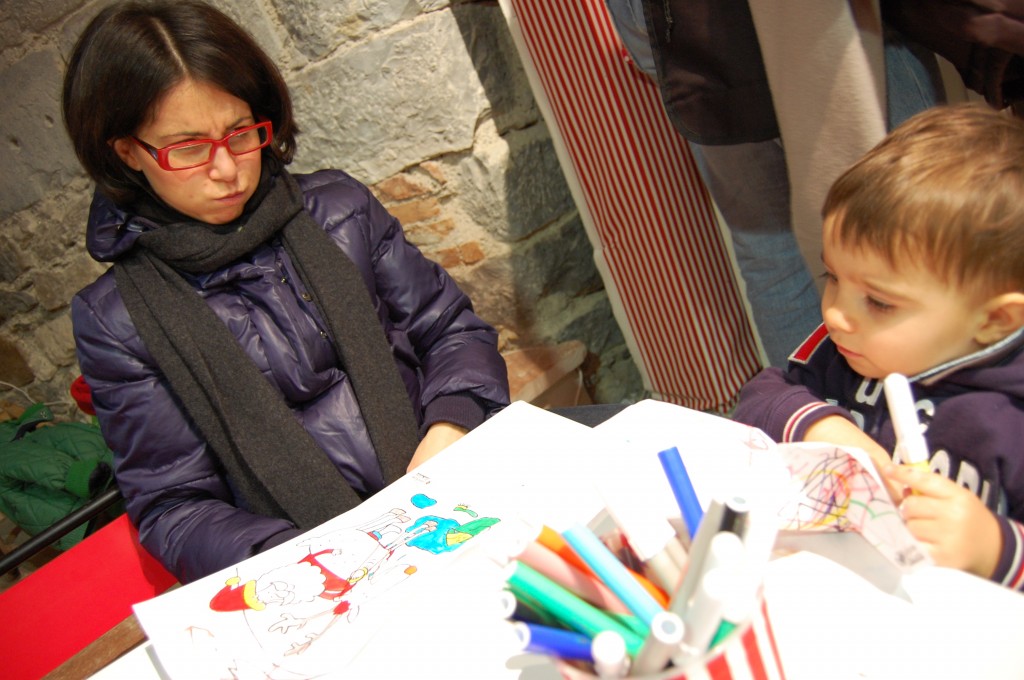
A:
571, 610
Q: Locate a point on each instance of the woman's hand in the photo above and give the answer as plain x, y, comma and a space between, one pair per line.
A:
438, 437
952, 522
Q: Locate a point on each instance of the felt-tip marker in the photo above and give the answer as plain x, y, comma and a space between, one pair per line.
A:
565, 606
660, 645
699, 548
558, 642
682, 489
610, 658
611, 572
911, 446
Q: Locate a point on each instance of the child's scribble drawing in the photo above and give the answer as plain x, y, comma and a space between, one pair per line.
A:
833, 491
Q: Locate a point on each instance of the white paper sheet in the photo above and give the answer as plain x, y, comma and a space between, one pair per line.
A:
831, 623
308, 608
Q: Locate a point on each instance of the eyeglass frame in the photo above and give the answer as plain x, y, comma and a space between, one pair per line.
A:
160, 155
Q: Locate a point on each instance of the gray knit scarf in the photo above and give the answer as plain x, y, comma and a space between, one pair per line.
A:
276, 465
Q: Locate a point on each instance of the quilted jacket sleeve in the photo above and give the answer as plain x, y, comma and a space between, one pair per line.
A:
174, 495
463, 379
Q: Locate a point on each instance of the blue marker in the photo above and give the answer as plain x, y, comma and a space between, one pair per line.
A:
558, 642
682, 488
608, 568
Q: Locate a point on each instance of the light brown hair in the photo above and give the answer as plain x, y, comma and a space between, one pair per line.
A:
945, 189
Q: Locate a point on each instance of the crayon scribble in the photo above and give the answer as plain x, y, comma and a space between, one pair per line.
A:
834, 492
837, 493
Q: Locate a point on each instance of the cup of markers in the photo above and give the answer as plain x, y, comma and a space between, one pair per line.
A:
597, 612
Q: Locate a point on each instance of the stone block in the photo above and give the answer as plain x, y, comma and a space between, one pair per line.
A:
319, 26
54, 288
558, 259
514, 185
497, 65
37, 154
266, 33
19, 20
390, 102
12, 264
509, 286
615, 379
55, 342
14, 368
13, 303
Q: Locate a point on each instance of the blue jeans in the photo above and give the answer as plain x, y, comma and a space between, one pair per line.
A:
750, 186
912, 79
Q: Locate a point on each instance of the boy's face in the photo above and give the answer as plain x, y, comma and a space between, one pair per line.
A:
886, 320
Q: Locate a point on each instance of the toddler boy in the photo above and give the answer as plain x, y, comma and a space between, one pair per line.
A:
923, 246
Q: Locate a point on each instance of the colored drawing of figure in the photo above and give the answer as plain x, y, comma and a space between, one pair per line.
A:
289, 608
447, 534
336, 562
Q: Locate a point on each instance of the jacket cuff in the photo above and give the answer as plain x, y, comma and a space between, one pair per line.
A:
1010, 568
457, 409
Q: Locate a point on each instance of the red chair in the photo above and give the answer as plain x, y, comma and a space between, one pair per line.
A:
73, 614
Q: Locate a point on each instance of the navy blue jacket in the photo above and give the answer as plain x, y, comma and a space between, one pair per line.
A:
971, 408
187, 511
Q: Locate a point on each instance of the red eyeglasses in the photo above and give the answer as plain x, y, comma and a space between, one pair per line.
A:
192, 154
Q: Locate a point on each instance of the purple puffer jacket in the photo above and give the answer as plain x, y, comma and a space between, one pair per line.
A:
186, 510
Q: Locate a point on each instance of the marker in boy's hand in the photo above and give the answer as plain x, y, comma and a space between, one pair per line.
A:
950, 520
911, 448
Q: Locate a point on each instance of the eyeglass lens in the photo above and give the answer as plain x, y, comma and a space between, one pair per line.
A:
240, 142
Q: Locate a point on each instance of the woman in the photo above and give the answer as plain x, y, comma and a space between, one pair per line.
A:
267, 349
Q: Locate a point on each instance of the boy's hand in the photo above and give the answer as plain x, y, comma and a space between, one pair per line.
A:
438, 437
953, 523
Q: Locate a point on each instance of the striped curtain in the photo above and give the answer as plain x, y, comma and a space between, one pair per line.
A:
657, 242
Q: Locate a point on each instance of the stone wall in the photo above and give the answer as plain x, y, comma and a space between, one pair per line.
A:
423, 100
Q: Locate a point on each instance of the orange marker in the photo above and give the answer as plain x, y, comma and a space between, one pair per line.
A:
554, 542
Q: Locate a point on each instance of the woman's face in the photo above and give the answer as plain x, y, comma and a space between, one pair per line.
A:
214, 193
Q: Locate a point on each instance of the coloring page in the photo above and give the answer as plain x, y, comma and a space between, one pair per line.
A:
834, 490
304, 609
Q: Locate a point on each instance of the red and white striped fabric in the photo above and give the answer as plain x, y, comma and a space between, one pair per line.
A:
657, 243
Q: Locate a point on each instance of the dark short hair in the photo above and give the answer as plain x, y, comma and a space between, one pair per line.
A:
132, 53
945, 188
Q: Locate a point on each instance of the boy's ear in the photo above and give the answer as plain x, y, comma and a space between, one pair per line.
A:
1003, 315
